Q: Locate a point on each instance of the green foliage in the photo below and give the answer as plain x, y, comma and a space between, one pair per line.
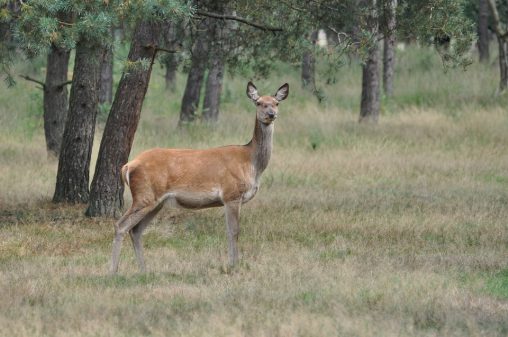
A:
432, 21
40, 24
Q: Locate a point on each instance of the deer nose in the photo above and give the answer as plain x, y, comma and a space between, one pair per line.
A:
271, 114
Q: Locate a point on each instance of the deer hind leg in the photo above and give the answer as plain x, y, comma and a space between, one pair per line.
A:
135, 234
233, 230
125, 224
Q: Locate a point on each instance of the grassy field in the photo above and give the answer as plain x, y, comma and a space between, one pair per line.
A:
398, 229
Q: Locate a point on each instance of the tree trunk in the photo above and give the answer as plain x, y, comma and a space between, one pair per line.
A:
106, 82
483, 31
389, 48
199, 60
369, 108
74, 162
173, 36
502, 40
55, 98
309, 65
503, 63
213, 89
106, 196
217, 30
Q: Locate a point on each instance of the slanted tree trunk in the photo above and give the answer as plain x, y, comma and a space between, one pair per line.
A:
106, 196
502, 40
55, 98
309, 65
369, 108
389, 47
199, 60
483, 31
74, 161
106, 81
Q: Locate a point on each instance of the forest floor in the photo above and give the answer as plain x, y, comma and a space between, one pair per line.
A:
396, 229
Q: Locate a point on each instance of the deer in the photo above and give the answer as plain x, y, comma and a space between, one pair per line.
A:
227, 176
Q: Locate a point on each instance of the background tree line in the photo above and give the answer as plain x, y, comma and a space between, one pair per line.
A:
205, 38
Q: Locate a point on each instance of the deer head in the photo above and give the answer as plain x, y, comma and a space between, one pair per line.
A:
267, 106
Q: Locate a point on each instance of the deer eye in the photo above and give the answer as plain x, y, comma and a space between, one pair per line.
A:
277, 104
258, 103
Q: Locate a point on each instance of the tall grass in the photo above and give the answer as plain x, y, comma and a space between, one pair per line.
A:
391, 230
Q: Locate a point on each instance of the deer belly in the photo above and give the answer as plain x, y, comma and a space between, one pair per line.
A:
195, 199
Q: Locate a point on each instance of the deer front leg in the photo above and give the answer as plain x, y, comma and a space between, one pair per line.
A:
233, 229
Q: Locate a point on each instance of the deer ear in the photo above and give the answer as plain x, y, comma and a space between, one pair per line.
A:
252, 92
282, 93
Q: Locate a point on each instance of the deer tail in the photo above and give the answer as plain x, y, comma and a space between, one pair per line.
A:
125, 174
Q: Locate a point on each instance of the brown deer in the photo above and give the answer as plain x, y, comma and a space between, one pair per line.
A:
225, 176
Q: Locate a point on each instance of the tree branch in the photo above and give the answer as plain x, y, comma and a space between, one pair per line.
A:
171, 51
239, 19
60, 86
28, 78
497, 22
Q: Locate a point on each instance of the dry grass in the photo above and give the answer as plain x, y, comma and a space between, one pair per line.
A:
390, 230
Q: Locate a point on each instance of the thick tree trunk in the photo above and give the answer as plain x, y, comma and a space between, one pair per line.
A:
213, 89
369, 108
199, 60
106, 81
309, 65
106, 196
483, 31
389, 48
217, 30
55, 98
74, 162
173, 36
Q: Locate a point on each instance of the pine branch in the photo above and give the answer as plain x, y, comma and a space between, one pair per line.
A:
28, 78
60, 86
497, 21
171, 51
239, 19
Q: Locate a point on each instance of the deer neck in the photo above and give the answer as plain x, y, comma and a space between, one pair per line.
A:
261, 146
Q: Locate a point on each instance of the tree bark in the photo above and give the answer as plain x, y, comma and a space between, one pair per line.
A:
106, 196
213, 89
503, 63
199, 60
106, 81
483, 31
309, 65
74, 161
502, 40
55, 98
173, 36
369, 108
389, 48
217, 31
